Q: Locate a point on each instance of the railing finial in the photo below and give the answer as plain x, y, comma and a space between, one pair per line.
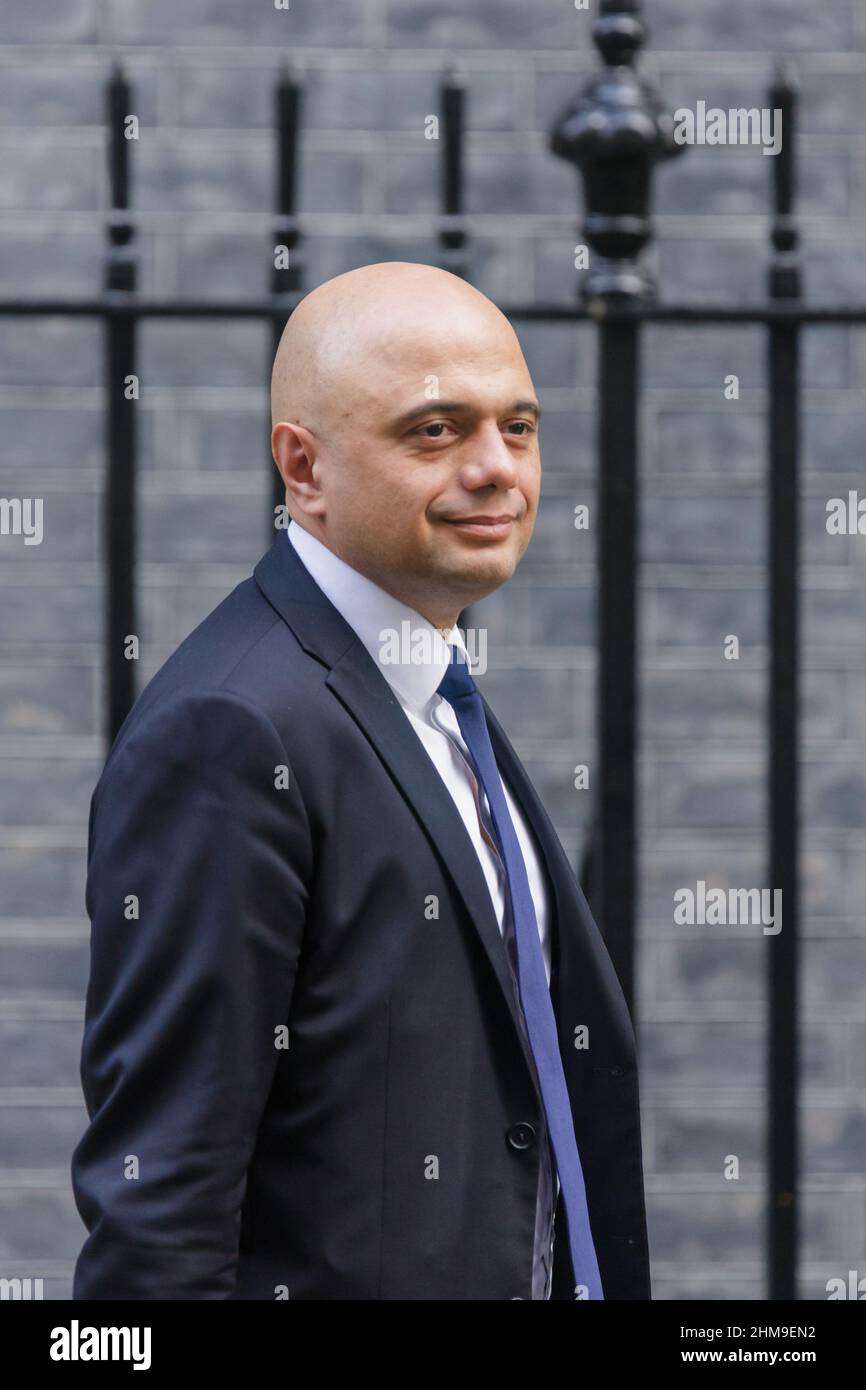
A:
785, 274
615, 133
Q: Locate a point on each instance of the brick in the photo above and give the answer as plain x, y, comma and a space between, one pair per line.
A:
38, 1057
43, 1136
825, 1218
44, 175
33, 263
833, 1139
831, 439
830, 103
567, 440
68, 96
191, 353
825, 356
833, 795
511, 182
39, 1223
717, 966
50, 351
856, 692
562, 617
699, 1140
451, 25
700, 440
715, 181
70, 525
333, 250
723, 859
556, 280
61, 969
718, 530
38, 883
44, 613
833, 972
224, 266
31, 438
227, 173
537, 704
571, 811
555, 538
693, 794
555, 91
833, 617
749, 29
55, 791
558, 354
46, 699
44, 22
711, 270
340, 23
201, 528
501, 269
683, 1284
221, 439
694, 616
699, 1226
168, 614
694, 356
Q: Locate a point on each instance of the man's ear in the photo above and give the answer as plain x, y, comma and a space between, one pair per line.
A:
294, 452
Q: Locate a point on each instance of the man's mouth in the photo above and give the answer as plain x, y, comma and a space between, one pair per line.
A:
488, 528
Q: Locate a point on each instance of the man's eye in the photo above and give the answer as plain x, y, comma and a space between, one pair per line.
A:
434, 425
524, 425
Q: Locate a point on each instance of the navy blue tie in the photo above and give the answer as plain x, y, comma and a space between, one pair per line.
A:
459, 689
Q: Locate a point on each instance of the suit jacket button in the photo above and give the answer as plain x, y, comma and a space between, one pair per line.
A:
521, 1136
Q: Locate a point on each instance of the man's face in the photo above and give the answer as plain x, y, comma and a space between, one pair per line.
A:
439, 428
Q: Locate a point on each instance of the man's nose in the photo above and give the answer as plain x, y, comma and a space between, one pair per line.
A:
490, 462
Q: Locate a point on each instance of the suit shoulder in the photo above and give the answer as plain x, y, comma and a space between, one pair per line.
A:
212, 658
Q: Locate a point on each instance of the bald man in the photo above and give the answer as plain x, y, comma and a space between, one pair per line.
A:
351, 1030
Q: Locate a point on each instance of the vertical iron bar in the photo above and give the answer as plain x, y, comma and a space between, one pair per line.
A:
783, 545
614, 897
452, 224
119, 515
285, 280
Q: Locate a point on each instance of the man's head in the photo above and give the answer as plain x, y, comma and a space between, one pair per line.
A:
401, 405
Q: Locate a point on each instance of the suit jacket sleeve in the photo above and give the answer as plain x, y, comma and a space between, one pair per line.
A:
198, 866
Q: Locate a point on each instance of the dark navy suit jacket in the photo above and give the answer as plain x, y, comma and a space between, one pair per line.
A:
274, 858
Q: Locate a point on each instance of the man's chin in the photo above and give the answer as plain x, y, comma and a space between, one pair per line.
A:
480, 577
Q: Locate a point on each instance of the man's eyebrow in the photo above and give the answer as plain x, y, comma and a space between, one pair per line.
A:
434, 407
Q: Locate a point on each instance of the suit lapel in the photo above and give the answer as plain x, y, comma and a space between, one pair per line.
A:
360, 686
582, 964
546, 839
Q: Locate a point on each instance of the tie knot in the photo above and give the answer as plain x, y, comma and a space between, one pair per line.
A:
457, 680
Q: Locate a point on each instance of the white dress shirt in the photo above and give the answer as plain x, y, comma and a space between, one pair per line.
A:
372, 613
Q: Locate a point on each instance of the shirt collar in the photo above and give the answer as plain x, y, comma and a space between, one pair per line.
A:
410, 652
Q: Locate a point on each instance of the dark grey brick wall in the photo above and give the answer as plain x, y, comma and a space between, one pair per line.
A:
202, 73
